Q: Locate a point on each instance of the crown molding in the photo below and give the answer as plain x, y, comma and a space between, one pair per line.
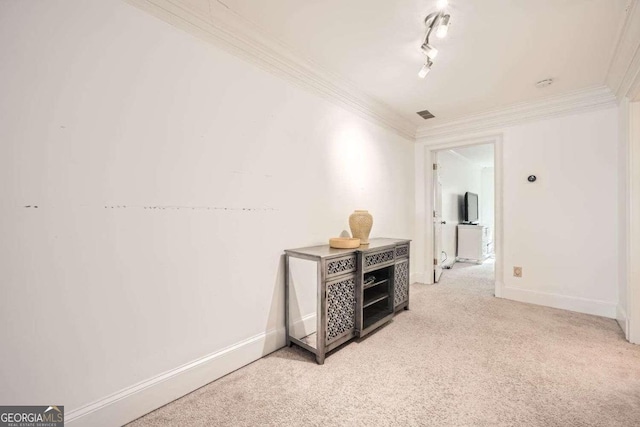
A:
214, 22
623, 76
574, 102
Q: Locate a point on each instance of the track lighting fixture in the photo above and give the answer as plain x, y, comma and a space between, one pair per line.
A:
438, 21
429, 50
425, 69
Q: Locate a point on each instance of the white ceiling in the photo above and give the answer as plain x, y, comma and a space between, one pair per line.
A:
480, 155
495, 52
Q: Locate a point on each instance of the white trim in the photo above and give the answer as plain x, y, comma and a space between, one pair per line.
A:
498, 217
634, 91
581, 305
624, 66
228, 30
132, 402
633, 246
631, 82
624, 78
426, 201
624, 203
429, 234
575, 102
233, 33
623, 321
304, 326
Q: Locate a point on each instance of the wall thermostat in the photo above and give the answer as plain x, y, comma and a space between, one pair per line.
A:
531, 178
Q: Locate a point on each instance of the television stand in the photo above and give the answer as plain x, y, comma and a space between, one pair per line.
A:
473, 243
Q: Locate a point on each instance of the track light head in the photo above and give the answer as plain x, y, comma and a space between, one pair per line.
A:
425, 69
443, 27
429, 50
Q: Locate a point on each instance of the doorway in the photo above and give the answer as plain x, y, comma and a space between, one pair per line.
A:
463, 179
447, 225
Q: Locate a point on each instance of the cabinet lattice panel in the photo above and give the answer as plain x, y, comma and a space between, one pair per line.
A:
341, 308
343, 265
401, 283
379, 258
402, 251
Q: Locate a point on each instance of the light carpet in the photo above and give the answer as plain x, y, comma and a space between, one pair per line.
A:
458, 357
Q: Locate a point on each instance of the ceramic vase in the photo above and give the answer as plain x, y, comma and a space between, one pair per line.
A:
360, 222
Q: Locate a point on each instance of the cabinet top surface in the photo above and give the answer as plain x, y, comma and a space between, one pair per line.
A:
325, 251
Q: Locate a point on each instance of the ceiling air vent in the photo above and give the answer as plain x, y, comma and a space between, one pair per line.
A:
425, 114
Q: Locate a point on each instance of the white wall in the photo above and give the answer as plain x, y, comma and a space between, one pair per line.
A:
149, 184
457, 176
562, 229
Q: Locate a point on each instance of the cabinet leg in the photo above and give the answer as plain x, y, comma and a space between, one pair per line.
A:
320, 359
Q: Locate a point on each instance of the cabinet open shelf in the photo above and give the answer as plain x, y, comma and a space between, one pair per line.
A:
379, 282
375, 295
375, 313
377, 303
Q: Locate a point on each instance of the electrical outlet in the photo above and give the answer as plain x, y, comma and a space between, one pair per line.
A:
517, 271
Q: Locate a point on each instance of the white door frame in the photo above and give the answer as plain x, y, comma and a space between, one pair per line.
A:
633, 223
437, 222
426, 217
628, 91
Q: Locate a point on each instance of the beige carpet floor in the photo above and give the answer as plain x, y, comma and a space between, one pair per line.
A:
458, 357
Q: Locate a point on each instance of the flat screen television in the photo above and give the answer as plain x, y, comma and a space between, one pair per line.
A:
470, 207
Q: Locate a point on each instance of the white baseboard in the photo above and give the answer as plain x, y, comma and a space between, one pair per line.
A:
581, 305
498, 289
139, 399
304, 326
623, 320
